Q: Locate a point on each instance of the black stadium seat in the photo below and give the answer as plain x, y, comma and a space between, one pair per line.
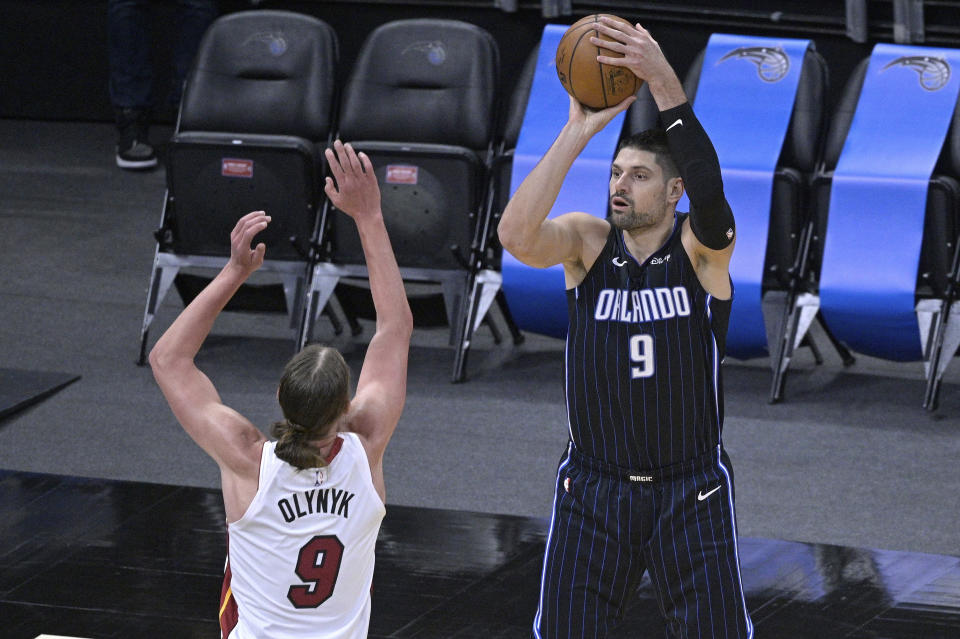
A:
421, 103
258, 105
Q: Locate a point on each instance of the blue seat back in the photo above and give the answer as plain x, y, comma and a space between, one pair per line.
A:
878, 198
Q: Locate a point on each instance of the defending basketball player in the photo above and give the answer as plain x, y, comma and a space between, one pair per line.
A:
303, 512
645, 485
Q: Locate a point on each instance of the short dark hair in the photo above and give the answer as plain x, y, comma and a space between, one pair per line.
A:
314, 393
655, 141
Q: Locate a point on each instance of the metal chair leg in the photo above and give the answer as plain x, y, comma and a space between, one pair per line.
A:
465, 320
160, 281
931, 396
817, 355
842, 350
494, 331
518, 337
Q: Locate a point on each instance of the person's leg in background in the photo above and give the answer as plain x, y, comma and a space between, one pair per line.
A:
131, 80
193, 18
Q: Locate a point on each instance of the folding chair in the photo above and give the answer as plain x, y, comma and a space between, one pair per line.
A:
257, 103
790, 301
938, 284
500, 179
420, 102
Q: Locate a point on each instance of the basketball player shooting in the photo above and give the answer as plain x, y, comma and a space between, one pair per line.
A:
303, 512
645, 484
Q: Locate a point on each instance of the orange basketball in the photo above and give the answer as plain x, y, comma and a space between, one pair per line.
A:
593, 84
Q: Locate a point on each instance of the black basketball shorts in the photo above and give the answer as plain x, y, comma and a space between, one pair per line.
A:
610, 525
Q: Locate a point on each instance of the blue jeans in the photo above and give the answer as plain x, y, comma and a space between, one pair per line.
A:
129, 48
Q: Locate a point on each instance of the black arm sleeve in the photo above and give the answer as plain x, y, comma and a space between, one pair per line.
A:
710, 216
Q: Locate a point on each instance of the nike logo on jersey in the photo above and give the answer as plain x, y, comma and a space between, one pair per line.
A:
618, 262
702, 495
677, 122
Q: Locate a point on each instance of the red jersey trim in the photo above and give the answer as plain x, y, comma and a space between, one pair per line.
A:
337, 445
229, 614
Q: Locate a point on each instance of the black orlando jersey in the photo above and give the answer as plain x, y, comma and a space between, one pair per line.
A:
642, 361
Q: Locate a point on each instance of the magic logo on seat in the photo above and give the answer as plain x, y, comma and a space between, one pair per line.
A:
435, 52
934, 72
772, 63
275, 43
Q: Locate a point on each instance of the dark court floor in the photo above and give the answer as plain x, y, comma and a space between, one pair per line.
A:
95, 558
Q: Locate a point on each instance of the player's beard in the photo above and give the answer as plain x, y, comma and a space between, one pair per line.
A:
633, 220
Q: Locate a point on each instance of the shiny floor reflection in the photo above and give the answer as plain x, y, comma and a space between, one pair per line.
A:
97, 558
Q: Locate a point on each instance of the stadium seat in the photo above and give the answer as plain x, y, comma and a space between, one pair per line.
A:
536, 113
789, 301
421, 103
939, 259
258, 106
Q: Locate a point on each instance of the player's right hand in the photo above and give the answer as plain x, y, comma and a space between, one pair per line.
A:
241, 238
592, 120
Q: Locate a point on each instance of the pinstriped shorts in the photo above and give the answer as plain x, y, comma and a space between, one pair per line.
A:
611, 525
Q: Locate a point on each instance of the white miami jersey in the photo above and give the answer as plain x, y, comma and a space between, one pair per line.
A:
300, 560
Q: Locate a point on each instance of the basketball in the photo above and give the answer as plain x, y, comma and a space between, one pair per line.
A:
593, 84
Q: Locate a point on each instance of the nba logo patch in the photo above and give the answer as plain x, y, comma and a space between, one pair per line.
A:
566, 484
319, 476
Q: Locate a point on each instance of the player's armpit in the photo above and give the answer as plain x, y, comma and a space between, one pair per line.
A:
712, 266
223, 433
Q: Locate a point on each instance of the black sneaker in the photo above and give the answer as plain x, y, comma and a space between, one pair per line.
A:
133, 147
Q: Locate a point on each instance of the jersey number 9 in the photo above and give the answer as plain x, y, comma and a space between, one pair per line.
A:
318, 565
641, 356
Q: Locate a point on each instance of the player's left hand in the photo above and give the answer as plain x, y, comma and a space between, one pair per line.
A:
242, 255
641, 53
355, 191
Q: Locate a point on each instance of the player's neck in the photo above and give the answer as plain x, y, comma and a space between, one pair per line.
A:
643, 242
324, 445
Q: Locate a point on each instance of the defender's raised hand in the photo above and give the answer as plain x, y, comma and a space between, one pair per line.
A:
241, 238
353, 188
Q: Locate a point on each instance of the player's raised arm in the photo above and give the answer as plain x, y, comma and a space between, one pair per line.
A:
711, 233
382, 385
524, 229
223, 433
